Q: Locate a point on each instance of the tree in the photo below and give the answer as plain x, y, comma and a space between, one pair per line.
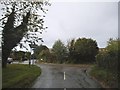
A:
85, 50
71, 50
45, 55
18, 19
108, 58
20, 55
59, 50
113, 47
39, 49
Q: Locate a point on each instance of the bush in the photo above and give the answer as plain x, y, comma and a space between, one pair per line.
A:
108, 60
106, 77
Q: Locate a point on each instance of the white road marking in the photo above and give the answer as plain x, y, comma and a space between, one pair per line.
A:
64, 76
64, 88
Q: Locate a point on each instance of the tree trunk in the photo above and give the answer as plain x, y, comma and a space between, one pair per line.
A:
5, 55
4, 62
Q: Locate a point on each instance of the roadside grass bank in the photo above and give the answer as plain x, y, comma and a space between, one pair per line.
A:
106, 78
19, 75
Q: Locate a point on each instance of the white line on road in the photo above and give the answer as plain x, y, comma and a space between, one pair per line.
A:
64, 88
64, 75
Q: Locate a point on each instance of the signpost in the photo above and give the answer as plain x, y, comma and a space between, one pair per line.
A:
32, 46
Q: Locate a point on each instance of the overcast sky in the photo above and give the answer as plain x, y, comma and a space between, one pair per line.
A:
75, 19
67, 20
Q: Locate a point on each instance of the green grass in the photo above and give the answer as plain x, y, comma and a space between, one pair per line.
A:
106, 77
19, 75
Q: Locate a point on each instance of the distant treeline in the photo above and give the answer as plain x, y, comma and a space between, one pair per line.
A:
81, 50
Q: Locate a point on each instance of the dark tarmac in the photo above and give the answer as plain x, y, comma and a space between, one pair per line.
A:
64, 76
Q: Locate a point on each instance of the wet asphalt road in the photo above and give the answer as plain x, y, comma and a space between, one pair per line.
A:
64, 76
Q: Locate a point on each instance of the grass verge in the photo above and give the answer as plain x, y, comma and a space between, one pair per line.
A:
19, 75
107, 78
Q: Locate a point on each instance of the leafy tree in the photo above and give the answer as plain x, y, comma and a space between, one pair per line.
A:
52, 58
20, 55
27, 55
71, 50
18, 19
45, 55
108, 58
85, 50
39, 49
113, 47
60, 51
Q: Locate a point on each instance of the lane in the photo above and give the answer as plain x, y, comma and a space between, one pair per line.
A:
64, 76
51, 77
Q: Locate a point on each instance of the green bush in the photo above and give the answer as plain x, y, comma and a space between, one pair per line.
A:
106, 77
108, 60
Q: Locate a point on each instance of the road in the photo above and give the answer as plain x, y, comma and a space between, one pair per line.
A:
64, 76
